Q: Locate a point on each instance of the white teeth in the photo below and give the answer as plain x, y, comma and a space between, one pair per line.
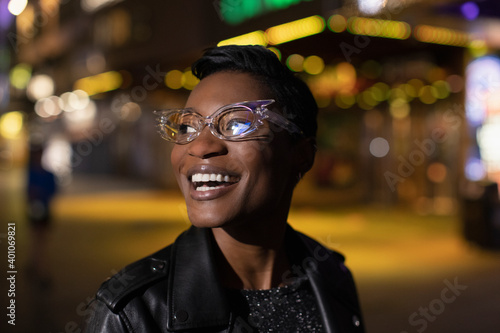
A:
207, 188
212, 177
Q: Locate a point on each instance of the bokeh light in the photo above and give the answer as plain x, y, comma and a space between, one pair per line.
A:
456, 83
252, 38
482, 75
488, 138
93, 5
189, 81
379, 147
345, 101
130, 112
16, 7
346, 77
57, 158
428, 94
95, 62
474, 169
337, 23
380, 91
399, 108
40, 86
436, 73
295, 30
443, 36
295, 62
398, 93
20, 76
99, 83
174, 79
11, 124
369, 98
275, 51
478, 48
362, 101
313, 65
378, 28
442, 89
49, 106
470, 10
371, 7
436, 172
74, 100
81, 117
417, 84
409, 91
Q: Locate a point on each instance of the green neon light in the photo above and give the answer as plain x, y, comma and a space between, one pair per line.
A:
236, 11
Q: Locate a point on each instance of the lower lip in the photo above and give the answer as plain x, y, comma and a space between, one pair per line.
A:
210, 194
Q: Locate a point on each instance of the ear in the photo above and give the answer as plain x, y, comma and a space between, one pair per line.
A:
304, 153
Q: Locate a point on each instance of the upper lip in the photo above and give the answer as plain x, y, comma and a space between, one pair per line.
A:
210, 169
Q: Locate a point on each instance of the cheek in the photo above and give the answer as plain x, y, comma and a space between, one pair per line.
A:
176, 159
270, 166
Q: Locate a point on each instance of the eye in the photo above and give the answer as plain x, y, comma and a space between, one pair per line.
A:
238, 126
186, 129
237, 122
186, 123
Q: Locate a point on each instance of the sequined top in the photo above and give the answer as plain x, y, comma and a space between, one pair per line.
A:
292, 308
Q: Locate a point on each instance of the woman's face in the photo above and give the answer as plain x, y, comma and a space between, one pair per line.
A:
227, 183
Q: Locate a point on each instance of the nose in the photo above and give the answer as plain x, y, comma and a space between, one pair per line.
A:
206, 145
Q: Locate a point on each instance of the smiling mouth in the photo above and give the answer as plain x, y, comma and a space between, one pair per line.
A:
212, 181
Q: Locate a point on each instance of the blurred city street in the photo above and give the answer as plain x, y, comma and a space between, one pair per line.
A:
407, 164
414, 273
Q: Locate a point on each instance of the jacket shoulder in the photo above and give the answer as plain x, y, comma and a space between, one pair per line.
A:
319, 250
125, 284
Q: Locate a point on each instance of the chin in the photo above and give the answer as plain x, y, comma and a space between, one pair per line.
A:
206, 219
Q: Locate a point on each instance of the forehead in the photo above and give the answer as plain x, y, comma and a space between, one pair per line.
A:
224, 88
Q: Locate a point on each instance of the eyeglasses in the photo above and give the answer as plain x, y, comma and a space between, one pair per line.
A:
233, 122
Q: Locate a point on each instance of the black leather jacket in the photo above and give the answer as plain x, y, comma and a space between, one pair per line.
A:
177, 290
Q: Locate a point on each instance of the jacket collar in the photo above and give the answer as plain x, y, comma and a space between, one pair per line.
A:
197, 297
198, 300
337, 297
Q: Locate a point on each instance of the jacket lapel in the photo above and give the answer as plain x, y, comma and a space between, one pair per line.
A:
197, 298
331, 283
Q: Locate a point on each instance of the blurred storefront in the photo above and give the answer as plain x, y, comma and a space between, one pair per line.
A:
390, 77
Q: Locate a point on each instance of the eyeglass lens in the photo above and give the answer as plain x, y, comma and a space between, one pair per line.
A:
183, 126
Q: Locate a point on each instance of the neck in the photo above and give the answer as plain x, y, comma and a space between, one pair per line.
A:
252, 259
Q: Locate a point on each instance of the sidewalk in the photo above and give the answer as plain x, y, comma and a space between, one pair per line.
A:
414, 273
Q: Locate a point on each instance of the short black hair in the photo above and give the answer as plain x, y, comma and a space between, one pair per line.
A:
290, 92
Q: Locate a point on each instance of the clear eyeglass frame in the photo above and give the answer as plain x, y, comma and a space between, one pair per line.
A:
232, 122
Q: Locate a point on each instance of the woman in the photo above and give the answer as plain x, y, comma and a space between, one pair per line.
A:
242, 143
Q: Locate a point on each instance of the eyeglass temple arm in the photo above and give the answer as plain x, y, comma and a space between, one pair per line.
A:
281, 121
